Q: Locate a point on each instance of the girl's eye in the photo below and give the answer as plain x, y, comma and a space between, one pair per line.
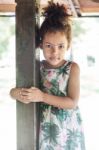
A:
61, 46
48, 46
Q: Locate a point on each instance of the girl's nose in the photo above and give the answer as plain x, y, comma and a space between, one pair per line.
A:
54, 50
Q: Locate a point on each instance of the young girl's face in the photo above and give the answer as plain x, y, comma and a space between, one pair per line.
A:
54, 48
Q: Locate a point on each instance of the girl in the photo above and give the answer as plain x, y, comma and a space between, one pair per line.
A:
60, 121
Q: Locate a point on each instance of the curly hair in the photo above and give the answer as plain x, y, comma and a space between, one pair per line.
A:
56, 19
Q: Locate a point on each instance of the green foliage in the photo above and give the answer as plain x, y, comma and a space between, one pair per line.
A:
7, 29
78, 27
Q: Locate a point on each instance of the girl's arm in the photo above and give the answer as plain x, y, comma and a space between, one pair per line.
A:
70, 101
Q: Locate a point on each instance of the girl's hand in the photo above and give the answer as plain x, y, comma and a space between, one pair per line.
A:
16, 93
32, 94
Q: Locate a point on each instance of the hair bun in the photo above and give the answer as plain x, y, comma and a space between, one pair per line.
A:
56, 11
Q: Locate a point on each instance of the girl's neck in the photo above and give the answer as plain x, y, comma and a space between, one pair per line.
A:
49, 66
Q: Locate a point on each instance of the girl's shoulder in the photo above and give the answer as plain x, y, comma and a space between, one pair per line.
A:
75, 69
72, 63
74, 66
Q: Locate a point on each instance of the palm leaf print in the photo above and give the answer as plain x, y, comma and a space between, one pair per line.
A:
72, 141
51, 132
82, 141
49, 148
65, 69
79, 120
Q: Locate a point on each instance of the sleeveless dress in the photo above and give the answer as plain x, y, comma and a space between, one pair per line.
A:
60, 129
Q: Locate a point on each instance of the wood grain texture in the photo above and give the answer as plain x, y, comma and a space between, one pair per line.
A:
27, 68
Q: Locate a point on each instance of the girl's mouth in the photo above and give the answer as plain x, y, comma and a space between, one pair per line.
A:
54, 58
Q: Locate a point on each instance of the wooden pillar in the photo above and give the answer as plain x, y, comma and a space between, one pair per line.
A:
27, 73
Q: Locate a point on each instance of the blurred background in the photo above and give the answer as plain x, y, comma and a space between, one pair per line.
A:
84, 51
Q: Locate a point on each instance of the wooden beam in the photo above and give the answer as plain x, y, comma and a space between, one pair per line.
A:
27, 75
89, 6
7, 7
85, 5
7, 1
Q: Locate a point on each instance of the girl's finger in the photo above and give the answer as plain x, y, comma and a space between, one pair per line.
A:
24, 90
24, 93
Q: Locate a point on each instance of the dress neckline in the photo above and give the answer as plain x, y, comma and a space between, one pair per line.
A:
49, 68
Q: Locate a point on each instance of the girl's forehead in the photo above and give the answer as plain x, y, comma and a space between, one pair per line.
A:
55, 36
55, 33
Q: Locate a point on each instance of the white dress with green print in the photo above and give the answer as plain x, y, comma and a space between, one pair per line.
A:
60, 129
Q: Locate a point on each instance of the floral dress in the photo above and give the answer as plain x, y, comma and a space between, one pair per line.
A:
60, 129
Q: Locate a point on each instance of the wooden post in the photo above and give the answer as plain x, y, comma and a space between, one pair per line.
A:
27, 73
